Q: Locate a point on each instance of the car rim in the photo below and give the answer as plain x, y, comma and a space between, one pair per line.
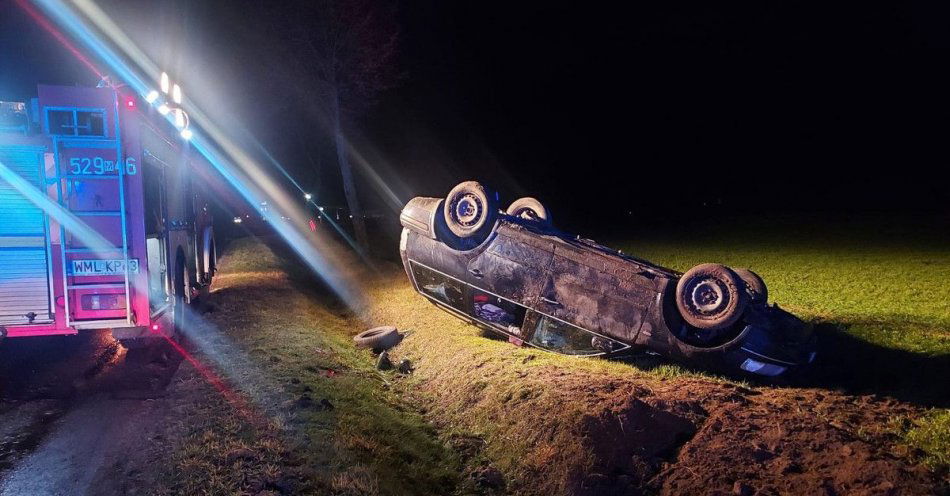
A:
527, 214
708, 296
468, 210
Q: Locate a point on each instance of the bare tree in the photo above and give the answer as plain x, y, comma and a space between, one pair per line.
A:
344, 53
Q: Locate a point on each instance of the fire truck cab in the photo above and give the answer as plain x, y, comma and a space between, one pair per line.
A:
103, 221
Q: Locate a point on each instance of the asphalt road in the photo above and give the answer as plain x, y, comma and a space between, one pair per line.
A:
78, 414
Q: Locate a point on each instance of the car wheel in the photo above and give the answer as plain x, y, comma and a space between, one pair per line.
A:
710, 296
530, 209
378, 338
470, 210
754, 285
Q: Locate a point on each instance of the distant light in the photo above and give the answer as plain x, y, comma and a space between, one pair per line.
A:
151, 97
164, 83
351, 216
186, 134
238, 220
163, 109
155, 327
179, 118
130, 103
321, 208
176, 94
307, 196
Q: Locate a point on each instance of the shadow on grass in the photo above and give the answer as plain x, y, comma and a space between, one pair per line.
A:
850, 365
855, 366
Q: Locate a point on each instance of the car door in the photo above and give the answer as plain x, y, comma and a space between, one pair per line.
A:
513, 266
596, 292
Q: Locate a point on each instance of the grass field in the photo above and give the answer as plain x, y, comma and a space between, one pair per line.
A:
311, 414
881, 298
895, 296
475, 406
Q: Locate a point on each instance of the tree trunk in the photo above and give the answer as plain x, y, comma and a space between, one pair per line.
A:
349, 187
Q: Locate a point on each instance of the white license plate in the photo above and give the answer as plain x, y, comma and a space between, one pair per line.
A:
102, 267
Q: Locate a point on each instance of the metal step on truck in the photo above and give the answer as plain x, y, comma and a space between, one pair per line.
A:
103, 221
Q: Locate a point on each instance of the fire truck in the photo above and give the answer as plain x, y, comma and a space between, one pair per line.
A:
103, 220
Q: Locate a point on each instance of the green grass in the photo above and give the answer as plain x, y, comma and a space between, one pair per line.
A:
894, 296
889, 290
932, 435
331, 419
891, 298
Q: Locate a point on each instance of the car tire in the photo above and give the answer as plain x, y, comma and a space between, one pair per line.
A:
711, 296
530, 209
754, 285
378, 338
470, 210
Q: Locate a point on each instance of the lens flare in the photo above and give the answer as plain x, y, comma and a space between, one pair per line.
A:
72, 224
232, 162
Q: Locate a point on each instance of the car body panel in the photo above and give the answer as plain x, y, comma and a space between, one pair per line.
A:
544, 288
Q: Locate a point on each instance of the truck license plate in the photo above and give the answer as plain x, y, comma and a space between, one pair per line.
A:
102, 267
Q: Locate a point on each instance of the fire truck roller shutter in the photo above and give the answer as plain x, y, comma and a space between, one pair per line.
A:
24, 263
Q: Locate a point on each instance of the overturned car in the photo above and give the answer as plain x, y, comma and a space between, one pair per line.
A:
513, 273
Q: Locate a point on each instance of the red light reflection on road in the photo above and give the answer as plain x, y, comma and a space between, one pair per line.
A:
233, 397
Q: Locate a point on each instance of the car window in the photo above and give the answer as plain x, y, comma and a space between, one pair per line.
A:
440, 286
561, 337
503, 314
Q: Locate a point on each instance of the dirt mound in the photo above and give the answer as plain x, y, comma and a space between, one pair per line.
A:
696, 437
555, 425
628, 445
796, 442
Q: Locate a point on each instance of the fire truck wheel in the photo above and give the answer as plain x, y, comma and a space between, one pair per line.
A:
180, 305
378, 338
204, 297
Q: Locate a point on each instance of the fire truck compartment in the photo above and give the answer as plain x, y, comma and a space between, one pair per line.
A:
24, 248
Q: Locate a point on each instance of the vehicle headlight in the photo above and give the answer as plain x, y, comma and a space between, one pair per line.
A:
761, 368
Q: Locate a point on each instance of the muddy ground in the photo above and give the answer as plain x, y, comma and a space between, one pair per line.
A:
81, 415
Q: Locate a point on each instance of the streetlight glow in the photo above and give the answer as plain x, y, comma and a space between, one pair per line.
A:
179, 118
165, 83
163, 109
176, 94
307, 196
151, 97
186, 134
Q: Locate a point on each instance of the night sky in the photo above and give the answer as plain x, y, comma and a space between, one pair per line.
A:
670, 110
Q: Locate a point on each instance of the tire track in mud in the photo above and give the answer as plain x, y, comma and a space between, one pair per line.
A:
48, 386
22, 438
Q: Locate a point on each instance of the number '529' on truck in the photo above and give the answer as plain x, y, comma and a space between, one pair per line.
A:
101, 224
